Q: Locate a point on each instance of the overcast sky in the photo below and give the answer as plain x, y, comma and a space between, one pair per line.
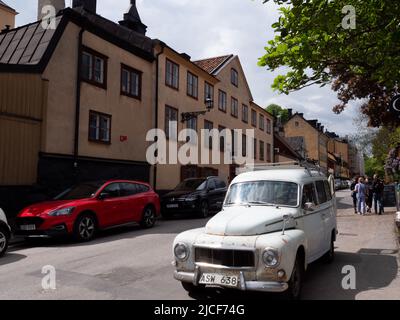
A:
206, 28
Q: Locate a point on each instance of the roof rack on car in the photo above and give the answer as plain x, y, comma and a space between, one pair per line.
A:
310, 167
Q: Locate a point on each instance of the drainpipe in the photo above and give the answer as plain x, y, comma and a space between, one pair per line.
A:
78, 103
156, 109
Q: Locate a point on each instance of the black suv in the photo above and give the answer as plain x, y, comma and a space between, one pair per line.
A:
197, 195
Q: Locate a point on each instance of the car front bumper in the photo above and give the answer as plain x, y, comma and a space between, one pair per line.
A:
259, 286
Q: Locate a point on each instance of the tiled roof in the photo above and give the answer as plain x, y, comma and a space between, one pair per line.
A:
212, 64
25, 45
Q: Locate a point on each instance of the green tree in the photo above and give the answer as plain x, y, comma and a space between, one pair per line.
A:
374, 166
277, 111
317, 48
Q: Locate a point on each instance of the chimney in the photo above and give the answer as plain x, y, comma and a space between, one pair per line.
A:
132, 20
56, 4
290, 111
88, 5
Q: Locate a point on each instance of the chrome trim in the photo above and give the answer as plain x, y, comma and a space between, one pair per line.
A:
225, 248
196, 276
215, 266
268, 286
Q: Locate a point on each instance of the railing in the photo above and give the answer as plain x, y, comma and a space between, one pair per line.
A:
310, 167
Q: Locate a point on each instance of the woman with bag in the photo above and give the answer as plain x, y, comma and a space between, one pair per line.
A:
361, 190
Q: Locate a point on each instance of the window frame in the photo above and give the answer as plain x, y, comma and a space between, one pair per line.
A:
210, 138
194, 95
168, 61
235, 77
99, 115
262, 150
222, 93
269, 126
269, 153
324, 200
245, 108
208, 85
261, 120
130, 71
234, 111
167, 129
94, 54
254, 119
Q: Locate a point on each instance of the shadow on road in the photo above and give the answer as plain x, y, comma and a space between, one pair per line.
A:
375, 269
11, 258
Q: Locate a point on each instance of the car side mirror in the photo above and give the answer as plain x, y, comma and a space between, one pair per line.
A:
104, 196
309, 206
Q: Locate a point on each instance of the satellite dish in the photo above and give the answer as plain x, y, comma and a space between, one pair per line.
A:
395, 104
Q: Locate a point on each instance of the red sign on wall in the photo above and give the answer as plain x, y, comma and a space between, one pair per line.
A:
123, 138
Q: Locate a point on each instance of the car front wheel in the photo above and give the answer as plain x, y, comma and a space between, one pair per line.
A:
148, 218
85, 228
296, 281
4, 239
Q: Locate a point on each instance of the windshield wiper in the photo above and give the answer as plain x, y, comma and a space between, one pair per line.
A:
261, 203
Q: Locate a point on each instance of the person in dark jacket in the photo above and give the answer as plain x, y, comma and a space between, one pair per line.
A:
370, 194
378, 188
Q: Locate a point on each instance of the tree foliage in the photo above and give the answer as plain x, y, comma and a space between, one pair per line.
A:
278, 111
361, 63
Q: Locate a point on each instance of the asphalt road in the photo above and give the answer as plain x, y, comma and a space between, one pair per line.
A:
130, 263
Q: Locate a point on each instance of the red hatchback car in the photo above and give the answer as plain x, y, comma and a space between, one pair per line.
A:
82, 210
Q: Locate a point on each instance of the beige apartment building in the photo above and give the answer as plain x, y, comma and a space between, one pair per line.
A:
338, 153
313, 135
77, 101
7, 16
184, 86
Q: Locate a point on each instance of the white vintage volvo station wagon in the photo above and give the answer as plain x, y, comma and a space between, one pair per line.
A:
276, 220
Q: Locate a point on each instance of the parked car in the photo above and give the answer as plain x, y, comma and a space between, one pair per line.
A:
338, 185
5, 233
84, 209
274, 223
199, 195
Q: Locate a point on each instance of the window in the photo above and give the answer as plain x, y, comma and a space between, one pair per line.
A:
234, 77
297, 124
208, 91
322, 197
171, 116
262, 122
269, 149
131, 82
309, 195
192, 85
269, 126
192, 124
208, 125
99, 127
262, 151
255, 148
222, 101
172, 74
94, 67
254, 118
235, 108
245, 113
112, 190
211, 185
128, 189
220, 184
141, 188
244, 145
222, 139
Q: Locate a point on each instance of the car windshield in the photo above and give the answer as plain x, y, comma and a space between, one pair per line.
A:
192, 185
274, 193
81, 191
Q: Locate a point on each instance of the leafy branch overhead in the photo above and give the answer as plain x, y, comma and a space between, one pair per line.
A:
360, 63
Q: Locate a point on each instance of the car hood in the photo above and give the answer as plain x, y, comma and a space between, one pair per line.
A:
248, 221
46, 207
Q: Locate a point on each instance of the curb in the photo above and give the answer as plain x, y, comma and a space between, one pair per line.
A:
397, 220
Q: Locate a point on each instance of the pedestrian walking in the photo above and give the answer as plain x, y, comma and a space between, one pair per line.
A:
378, 188
370, 194
361, 190
354, 193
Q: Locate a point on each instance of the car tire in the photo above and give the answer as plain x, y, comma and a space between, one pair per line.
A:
204, 210
296, 281
85, 228
148, 218
329, 257
4, 241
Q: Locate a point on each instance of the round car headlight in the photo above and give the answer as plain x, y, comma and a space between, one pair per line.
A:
270, 258
181, 252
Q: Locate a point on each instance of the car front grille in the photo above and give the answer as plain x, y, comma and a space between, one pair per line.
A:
29, 221
226, 258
